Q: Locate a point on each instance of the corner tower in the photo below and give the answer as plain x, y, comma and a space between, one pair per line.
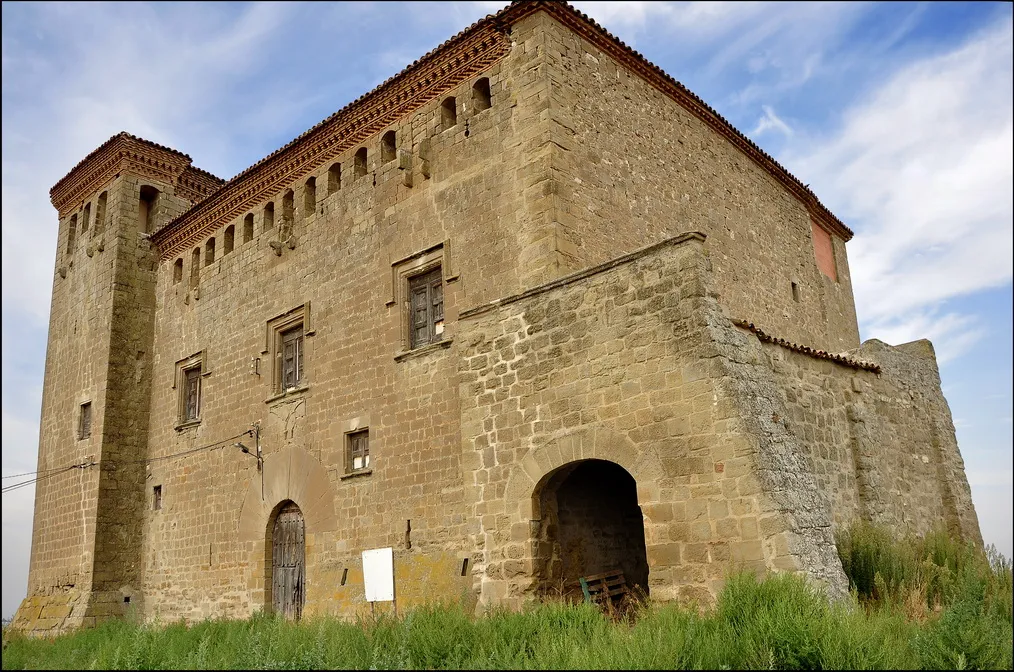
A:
89, 498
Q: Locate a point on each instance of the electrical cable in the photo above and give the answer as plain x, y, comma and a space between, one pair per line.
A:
24, 484
31, 473
47, 473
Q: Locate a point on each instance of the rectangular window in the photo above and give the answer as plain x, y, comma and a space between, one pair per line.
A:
191, 394
358, 450
291, 355
84, 424
426, 306
156, 498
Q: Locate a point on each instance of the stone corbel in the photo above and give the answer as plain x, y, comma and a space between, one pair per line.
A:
424, 158
405, 166
277, 245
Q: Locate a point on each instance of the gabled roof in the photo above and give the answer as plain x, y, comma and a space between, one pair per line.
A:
215, 209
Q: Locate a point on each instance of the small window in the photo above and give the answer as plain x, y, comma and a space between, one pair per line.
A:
86, 218
269, 216
156, 498
195, 268
146, 208
334, 178
309, 196
191, 394
359, 162
209, 252
388, 147
71, 234
426, 306
358, 450
795, 292
481, 98
84, 423
229, 240
448, 113
178, 271
100, 212
248, 227
290, 357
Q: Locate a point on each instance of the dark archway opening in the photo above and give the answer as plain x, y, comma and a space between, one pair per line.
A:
286, 564
590, 524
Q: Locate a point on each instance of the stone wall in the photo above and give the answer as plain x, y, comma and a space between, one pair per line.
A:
85, 550
567, 345
745, 454
631, 166
881, 445
616, 363
447, 198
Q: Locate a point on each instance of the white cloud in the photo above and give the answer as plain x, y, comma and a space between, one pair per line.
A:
770, 121
924, 172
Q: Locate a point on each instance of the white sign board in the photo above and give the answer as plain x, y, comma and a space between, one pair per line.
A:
378, 574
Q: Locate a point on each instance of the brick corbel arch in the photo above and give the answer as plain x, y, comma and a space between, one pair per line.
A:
290, 474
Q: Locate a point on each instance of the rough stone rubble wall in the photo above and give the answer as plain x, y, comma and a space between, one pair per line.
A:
882, 446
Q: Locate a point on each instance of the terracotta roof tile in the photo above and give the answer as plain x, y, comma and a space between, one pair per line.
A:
806, 350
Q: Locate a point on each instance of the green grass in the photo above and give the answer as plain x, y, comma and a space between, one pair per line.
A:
918, 604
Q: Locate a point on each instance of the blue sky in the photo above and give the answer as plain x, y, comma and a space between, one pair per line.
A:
898, 115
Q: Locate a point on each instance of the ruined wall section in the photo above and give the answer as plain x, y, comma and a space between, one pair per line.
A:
620, 363
882, 445
631, 166
452, 195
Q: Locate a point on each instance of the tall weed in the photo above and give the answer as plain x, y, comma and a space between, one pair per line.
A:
928, 603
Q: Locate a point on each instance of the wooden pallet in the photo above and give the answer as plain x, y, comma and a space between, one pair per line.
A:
604, 588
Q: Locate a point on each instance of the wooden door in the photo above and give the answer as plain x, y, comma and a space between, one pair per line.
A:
288, 567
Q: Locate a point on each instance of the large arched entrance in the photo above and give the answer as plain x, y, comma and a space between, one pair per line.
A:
288, 561
589, 523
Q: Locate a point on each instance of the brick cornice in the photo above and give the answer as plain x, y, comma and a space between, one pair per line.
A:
469, 52
126, 153
462, 57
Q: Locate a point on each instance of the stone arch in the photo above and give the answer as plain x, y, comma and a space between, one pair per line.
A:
290, 474
511, 555
589, 524
599, 443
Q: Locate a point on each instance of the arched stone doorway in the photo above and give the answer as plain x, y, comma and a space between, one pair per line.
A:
287, 568
588, 523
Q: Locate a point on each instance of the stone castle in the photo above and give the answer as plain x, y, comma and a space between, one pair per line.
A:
527, 312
